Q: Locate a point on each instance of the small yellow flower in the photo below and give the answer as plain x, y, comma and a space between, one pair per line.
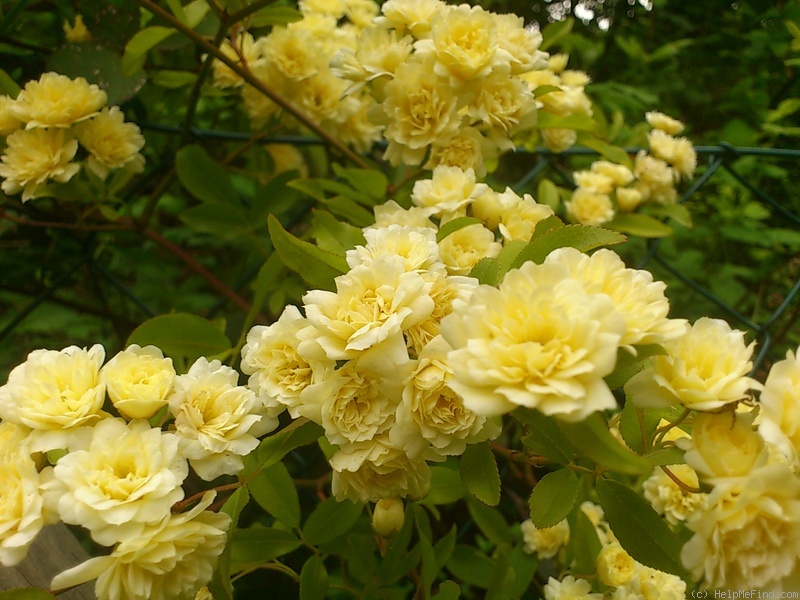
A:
111, 142
57, 101
589, 208
35, 156
77, 33
8, 122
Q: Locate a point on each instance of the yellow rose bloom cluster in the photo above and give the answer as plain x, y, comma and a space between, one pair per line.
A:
44, 127
65, 455
447, 81
565, 96
294, 60
607, 188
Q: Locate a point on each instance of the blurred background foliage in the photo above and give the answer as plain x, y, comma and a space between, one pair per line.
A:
93, 268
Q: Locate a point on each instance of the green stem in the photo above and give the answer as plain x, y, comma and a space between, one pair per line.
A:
259, 85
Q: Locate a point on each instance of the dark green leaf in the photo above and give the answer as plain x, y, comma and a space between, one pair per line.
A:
592, 438
371, 182
203, 177
398, 560
543, 436
584, 543
330, 520
490, 521
333, 235
640, 530
313, 579
275, 491
275, 15
181, 335
479, 473
8, 87
443, 549
446, 487
318, 267
259, 545
275, 197
553, 497
554, 31
224, 222
523, 566
471, 565
273, 448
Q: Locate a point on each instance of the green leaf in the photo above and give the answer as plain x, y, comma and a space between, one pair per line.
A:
507, 259
486, 271
275, 15
181, 335
173, 79
490, 521
667, 455
313, 579
545, 89
203, 177
592, 438
259, 545
543, 437
471, 565
224, 222
273, 448
275, 491
316, 266
554, 31
455, 225
546, 120
8, 86
446, 487
523, 566
140, 44
330, 520
584, 543
553, 497
502, 577
429, 567
582, 237
613, 153
640, 530
398, 561
350, 211
639, 224
448, 590
443, 549
275, 197
235, 504
629, 364
637, 425
99, 65
548, 193
334, 235
371, 182
479, 473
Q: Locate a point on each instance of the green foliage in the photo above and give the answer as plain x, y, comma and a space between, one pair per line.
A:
479, 473
181, 336
553, 497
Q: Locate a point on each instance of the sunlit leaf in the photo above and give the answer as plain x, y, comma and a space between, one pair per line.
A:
582, 237
454, 225
479, 473
592, 438
181, 335
553, 497
639, 224
140, 44
275, 491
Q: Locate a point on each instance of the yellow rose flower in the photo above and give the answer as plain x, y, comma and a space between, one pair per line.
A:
390, 213
376, 469
655, 179
780, 409
518, 220
539, 340
22, 513
292, 52
748, 537
448, 190
639, 299
171, 559
665, 123
703, 370
678, 152
112, 143
416, 245
373, 303
466, 149
462, 249
668, 498
589, 208
413, 15
8, 122
504, 104
54, 393
138, 381
420, 108
615, 567
57, 101
546, 542
520, 43
431, 419
558, 139
32, 157
217, 421
116, 479
724, 445
569, 588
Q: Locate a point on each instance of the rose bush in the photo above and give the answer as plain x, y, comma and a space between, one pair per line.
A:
442, 386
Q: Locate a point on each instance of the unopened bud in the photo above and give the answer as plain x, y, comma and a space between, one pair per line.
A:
388, 516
